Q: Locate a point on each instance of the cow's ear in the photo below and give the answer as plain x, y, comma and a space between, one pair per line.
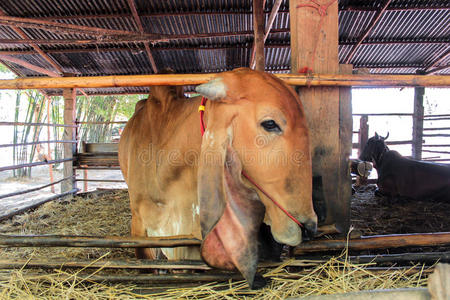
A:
230, 212
214, 89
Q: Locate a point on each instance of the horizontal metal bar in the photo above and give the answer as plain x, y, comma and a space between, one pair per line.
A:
434, 151
8, 168
384, 114
99, 123
100, 180
437, 135
398, 142
437, 119
437, 145
35, 189
35, 124
36, 143
437, 128
36, 204
98, 242
97, 168
434, 116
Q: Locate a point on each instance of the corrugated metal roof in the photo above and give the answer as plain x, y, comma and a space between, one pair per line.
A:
411, 35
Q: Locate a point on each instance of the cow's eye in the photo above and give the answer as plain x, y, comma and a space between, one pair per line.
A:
270, 126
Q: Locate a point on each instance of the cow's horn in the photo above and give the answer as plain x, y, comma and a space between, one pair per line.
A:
385, 138
376, 136
215, 89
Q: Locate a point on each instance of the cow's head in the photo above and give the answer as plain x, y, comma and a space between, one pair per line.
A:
254, 122
374, 149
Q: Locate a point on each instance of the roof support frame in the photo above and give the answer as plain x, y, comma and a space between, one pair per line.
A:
372, 24
137, 19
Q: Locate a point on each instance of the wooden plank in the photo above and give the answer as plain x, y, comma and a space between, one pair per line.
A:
314, 47
377, 242
69, 134
312, 80
101, 147
342, 207
363, 135
97, 159
417, 133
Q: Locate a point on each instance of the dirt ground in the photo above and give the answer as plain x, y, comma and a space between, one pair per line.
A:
374, 215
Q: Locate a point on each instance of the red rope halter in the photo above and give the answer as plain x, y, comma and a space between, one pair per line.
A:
201, 109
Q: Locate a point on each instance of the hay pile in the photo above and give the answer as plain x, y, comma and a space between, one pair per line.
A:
109, 215
335, 276
94, 214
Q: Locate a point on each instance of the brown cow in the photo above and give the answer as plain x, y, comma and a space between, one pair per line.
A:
404, 177
180, 183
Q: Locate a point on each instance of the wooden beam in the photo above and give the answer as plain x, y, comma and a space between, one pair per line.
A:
377, 242
23, 35
273, 14
210, 12
257, 61
136, 38
367, 31
69, 95
64, 27
137, 19
210, 46
29, 66
314, 48
345, 150
97, 242
432, 68
193, 79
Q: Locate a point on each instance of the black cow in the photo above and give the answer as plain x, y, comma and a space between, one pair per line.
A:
404, 177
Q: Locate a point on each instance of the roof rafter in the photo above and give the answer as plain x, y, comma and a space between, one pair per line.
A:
29, 66
432, 67
23, 35
221, 12
367, 31
137, 19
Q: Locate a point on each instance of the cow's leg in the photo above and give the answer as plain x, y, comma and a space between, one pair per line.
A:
138, 230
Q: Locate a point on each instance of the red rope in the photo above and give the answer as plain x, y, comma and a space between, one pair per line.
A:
202, 129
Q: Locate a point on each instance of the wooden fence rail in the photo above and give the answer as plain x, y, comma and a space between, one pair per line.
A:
97, 242
193, 79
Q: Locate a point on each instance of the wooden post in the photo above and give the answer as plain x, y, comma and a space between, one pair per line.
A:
418, 123
345, 150
314, 48
258, 60
363, 135
69, 134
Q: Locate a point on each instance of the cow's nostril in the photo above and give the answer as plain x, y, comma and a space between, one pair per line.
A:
309, 230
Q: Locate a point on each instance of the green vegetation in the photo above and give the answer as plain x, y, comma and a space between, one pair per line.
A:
95, 109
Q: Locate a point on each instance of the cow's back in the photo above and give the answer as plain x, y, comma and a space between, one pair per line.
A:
154, 158
414, 179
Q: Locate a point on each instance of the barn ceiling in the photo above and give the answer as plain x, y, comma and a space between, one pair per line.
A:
121, 37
